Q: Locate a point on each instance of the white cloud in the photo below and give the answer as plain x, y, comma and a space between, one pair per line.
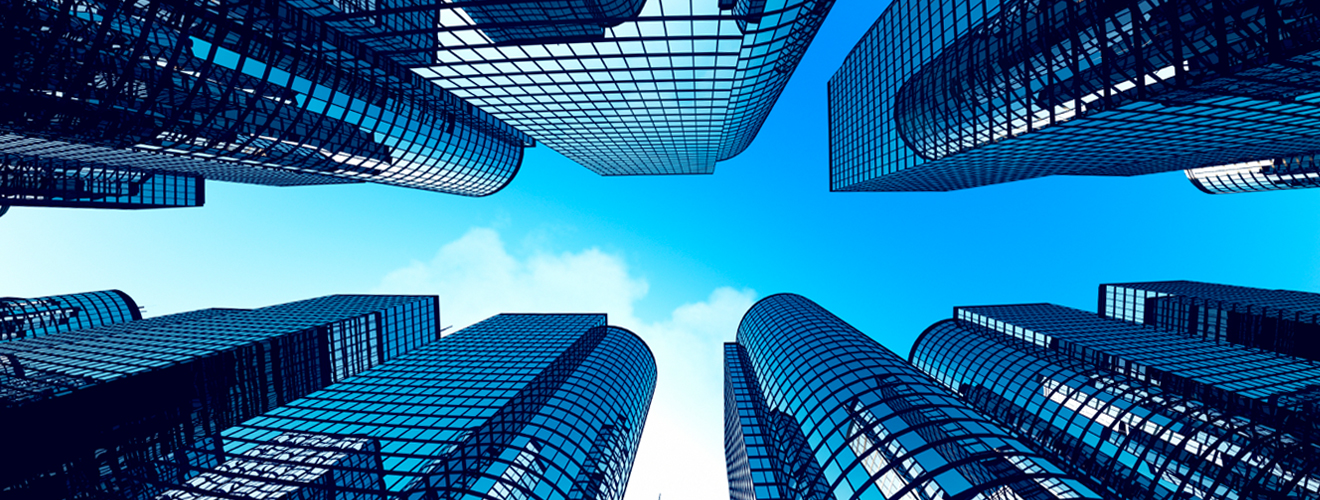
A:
682, 449
476, 277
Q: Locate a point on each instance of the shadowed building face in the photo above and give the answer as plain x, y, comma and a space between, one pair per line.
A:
21, 318
107, 102
963, 93
1146, 413
98, 404
519, 406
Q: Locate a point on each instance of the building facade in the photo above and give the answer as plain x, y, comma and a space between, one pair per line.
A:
815, 409
98, 405
1282, 321
132, 104
113, 104
21, 318
623, 87
1147, 413
519, 406
955, 94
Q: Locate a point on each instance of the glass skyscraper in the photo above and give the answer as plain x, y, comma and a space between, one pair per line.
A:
21, 317
1145, 412
519, 406
115, 104
623, 87
96, 406
952, 94
1283, 321
132, 104
815, 409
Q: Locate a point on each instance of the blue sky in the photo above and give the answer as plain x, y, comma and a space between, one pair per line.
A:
678, 259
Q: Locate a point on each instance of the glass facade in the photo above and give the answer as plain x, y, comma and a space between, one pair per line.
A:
97, 405
953, 94
622, 87
1263, 175
519, 406
1142, 418
134, 105
257, 92
21, 318
1282, 321
64, 182
1232, 377
816, 409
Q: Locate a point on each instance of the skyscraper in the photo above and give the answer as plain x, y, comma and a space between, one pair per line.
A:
132, 104
1282, 321
62, 313
97, 405
814, 409
623, 87
1145, 412
950, 95
116, 104
519, 406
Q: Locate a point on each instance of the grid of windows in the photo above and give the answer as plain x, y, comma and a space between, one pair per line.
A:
1282, 321
1134, 438
767, 455
98, 404
21, 318
877, 427
1265, 175
1248, 381
669, 89
962, 93
544, 21
547, 406
257, 92
35, 181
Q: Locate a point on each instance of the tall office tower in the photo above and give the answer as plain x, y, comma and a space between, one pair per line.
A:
63, 313
97, 405
116, 104
814, 409
1282, 321
1145, 412
950, 95
519, 406
623, 87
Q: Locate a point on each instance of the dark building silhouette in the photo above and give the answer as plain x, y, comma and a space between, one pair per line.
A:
1281, 321
1146, 413
816, 409
98, 406
541, 21
132, 104
952, 95
39, 316
519, 406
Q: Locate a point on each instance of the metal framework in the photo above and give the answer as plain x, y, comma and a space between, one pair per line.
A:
976, 92
36, 181
1114, 419
519, 406
1232, 377
671, 88
98, 406
870, 424
1281, 321
253, 91
41, 316
1297, 172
